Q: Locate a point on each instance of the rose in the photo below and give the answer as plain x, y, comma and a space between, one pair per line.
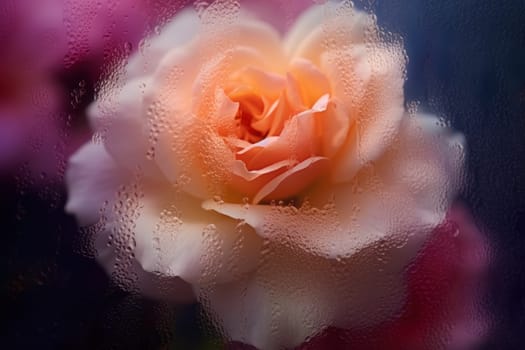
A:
281, 178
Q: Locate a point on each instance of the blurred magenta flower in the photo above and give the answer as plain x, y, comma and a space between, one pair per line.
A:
54, 52
105, 31
33, 43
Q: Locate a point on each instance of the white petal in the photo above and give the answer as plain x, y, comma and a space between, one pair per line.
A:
175, 33
120, 120
293, 181
144, 229
176, 237
92, 179
95, 183
337, 25
372, 94
307, 21
294, 295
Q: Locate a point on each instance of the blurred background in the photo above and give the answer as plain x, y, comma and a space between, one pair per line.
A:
466, 64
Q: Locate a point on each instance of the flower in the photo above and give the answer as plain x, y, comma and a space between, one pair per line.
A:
48, 45
31, 38
101, 31
279, 176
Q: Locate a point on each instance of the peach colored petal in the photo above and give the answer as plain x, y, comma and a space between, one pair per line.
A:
277, 115
249, 182
194, 157
312, 83
174, 80
175, 237
303, 26
293, 285
299, 140
334, 123
349, 72
322, 28
187, 26
293, 95
176, 33
188, 143
266, 83
400, 199
406, 191
214, 75
251, 149
226, 32
377, 110
184, 147
167, 231
292, 182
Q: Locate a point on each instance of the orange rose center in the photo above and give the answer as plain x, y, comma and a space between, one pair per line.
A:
250, 110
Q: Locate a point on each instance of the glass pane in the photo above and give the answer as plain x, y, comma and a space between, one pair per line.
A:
262, 175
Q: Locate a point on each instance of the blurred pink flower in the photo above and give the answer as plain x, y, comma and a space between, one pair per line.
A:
50, 47
287, 11
33, 42
102, 31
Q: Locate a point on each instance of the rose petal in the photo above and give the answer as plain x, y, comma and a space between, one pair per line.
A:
402, 199
299, 140
167, 231
88, 194
292, 285
302, 27
118, 119
333, 123
249, 182
175, 82
263, 83
372, 95
406, 192
293, 181
94, 181
188, 144
176, 237
229, 30
336, 25
175, 33
349, 72
312, 83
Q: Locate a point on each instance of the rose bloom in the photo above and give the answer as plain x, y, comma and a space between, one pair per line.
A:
278, 178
